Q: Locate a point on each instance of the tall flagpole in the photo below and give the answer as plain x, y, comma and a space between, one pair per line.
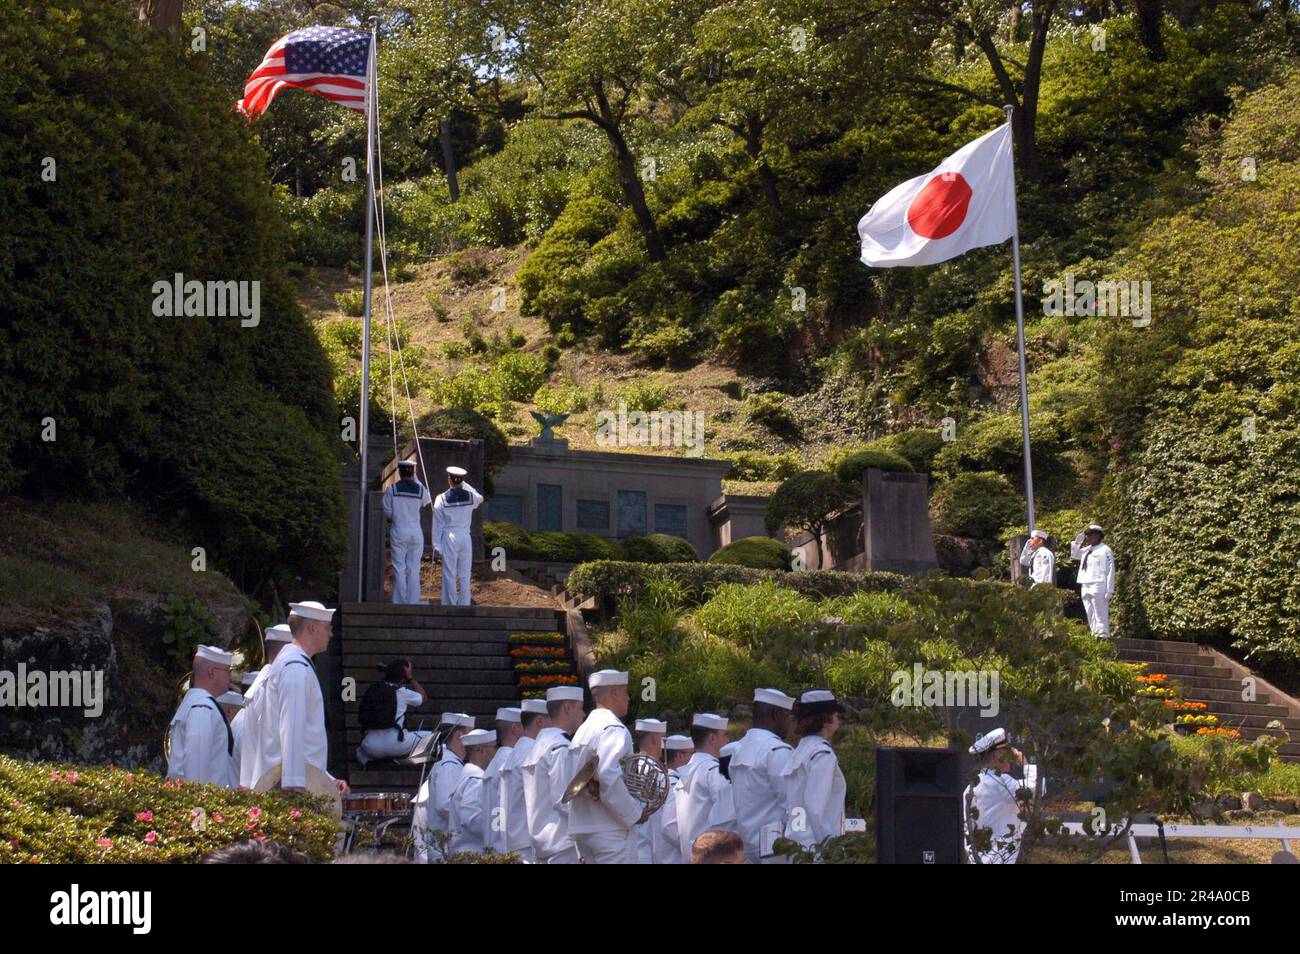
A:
1020, 333
372, 95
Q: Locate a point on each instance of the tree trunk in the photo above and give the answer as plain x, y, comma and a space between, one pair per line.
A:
449, 160
1149, 15
631, 181
162, 15
766, 177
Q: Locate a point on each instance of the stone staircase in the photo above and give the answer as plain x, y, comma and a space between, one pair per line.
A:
460, 654
1203, 674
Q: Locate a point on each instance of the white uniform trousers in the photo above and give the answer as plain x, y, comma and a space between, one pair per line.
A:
407, 544
607, 847
384, 744
457, 549
569, 856
1097, 606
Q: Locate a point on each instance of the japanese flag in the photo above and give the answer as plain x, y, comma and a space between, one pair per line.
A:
968, 201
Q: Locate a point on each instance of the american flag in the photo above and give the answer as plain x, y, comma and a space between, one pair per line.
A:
329, 61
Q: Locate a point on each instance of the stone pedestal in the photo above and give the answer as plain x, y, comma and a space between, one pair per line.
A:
896, 523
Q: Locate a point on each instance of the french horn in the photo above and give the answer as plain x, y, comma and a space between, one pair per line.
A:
646, 780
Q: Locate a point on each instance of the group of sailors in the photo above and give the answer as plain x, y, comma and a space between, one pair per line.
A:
273, 734
503, 789
453, 513
1096, 573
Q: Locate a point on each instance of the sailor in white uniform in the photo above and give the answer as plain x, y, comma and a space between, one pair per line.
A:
704, 798
508, 721
757, 770
276, 638
466, 819
993, 804
1096, 578
404, 500
286, 714
1039, 559
815, 786
603, 818
432, 812
532, 720
395, 740
547, 773
648, 740
453, 515
665, 843
232, 707
202, 745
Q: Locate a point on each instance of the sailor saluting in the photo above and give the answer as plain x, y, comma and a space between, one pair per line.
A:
403, 503
453, 512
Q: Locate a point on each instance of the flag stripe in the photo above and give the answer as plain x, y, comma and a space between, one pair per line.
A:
331, 62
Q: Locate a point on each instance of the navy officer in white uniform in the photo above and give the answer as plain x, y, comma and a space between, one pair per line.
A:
453, 513
202, 746
993, 802
1096, 578
403, 503
1037, 557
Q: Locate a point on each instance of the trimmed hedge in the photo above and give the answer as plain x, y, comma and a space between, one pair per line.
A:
549, 546
67, 814
975, 505
851, 467
659, 548
758, 553
610, 579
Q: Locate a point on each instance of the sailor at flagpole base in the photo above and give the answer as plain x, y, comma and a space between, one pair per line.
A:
404, 501
1096, 578
453, 514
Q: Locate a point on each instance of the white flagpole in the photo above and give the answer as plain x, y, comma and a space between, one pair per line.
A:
1020, 336
372, 94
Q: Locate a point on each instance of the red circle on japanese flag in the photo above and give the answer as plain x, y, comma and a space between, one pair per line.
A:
940, 207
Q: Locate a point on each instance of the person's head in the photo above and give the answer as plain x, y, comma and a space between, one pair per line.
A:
532, 717
277, 637
609, 691
1094, 535
212, 669
508, 725
1037, 539
679, 750
818, 712
714, 847
254, 852
453, 727
648, 737
231, 702
312, 626
398, 672
709, 732
405, 469
480, 745
772, 711
455, 476
564, 708
993, 750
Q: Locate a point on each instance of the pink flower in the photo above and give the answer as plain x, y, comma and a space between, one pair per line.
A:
150, 838
13, 843
251, 826
54, 776
259, 838
144, 816
295, 813
71, 777
106, 842
218, 817
130, 778
254, 813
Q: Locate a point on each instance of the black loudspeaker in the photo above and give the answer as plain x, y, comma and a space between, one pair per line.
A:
918, 806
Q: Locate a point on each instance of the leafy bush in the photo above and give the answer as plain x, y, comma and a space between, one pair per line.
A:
561, 399
644, 395
852, 467
759, 553
549, 546
187, 623
68, 814
754, 466
351, 303
470, 266
975, 505
659, 548
516, 376
768, 410
462, 424
918, 447
746, 614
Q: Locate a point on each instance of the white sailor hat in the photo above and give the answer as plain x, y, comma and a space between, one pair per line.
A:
651, 725
279, 633
215, 655
509, 714
819, 700
709, 720
478, 737
457, 471
231, 698
1040, 534
607, 677
1094, 528
458, 718
995, 739
774, 697
535, 706
564, 694
310, 609
678, 743
406, 463
250, 677
728, 750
